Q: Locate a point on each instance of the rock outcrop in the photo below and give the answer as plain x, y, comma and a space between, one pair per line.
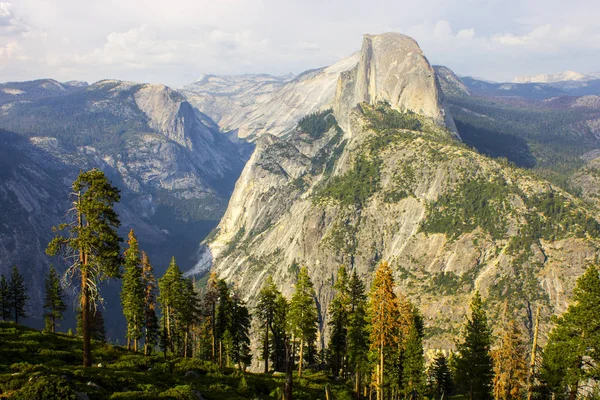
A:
392, 69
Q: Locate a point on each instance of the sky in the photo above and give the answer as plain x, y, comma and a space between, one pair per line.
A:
174, 42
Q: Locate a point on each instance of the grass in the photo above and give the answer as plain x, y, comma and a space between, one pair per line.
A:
37, 365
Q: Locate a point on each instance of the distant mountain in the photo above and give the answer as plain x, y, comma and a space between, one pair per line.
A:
252, 105
546, 127
533, 91
175, 169
38, 89
553, 78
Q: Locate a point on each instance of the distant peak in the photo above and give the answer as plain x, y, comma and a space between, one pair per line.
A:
565, 76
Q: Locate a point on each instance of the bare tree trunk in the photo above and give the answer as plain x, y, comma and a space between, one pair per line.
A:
214, 353
381, 372
185, 344
287, 392
220, 354
266, 349
301, 357
533, 355
85, 318
357, 385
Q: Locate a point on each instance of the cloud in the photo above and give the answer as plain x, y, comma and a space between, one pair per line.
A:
173, 42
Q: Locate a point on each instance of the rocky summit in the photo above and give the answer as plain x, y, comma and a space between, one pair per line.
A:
382, 175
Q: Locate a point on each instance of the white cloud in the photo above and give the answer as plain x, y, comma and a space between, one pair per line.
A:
173, 42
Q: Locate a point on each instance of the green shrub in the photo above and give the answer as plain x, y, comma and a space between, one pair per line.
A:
317, 124
472, 204
182, 392
46, 388
134, 395
356, 186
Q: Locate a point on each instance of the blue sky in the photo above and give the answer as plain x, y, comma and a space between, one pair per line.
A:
175, 41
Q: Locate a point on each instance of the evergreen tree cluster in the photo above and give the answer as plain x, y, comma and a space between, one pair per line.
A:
13, 296
375, 338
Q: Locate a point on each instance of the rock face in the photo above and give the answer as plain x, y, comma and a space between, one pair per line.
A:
450, 83
393, 69
390, 185
256, 106
175, 169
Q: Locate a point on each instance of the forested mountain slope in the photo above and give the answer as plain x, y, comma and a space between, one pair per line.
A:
372, 180
175, 169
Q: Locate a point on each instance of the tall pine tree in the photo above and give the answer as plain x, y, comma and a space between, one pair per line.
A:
223, 317
384, 315
280, 333
5, 303
440, 377
189, 314
53, 300
303, 315
240, 333
18, 294
572, 355
358, 335
412, 362
171, 287
339, 311
92, 240
150, 319
510, 363
265, 313
474, 361
132, 292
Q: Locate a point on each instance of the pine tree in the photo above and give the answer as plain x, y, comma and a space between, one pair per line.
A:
5, 303
265, 312
53, 300
240, 333
17, 294
223, 318
150, 319
510, 364
93, 241
132, 292
171, 287
358, 335
338, 314
280, 333
474, 362
440, 378
384, 315
572, 355
411, 357
189, 313
211, 299
303, 315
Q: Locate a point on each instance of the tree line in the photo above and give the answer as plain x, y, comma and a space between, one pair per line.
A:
375, 336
